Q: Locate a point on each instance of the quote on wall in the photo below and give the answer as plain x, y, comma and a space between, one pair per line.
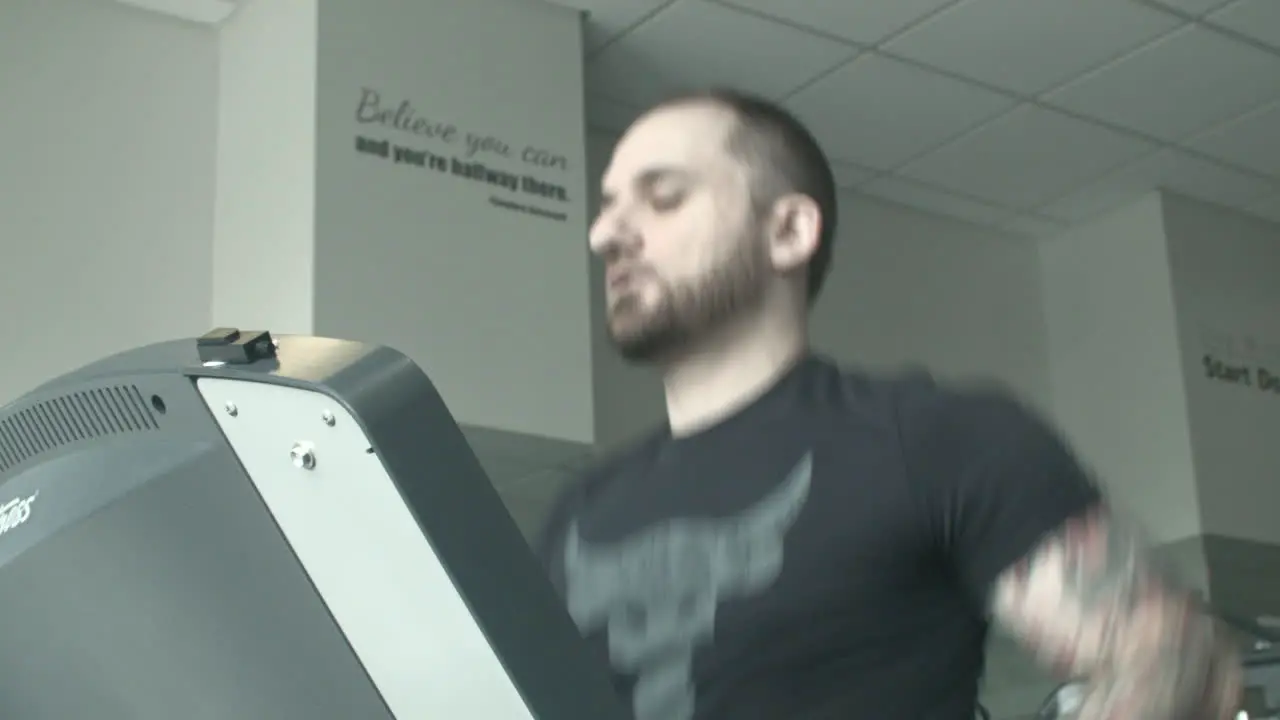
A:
1243, 360
517, 176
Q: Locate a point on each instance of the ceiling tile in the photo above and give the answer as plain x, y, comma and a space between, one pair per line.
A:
1267, 208
922, 197
1026, 157
608, 19
1034, 226
1167, 169
696, 44
1191, 7
1251, 141
1184, 83
1029, 46
1258, 19
850, 176
881, 112
608, 114
862, 22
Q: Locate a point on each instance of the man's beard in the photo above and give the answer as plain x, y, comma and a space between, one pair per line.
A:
688, 311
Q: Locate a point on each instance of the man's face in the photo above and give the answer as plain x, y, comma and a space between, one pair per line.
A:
683, 249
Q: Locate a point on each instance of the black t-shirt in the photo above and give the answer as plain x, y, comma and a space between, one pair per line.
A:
825, 553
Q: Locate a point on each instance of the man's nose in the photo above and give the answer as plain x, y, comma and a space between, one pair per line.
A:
611, 235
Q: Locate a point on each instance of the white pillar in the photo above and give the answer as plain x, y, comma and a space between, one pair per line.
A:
1114, 366
414, 174
1226, 279
1164, 328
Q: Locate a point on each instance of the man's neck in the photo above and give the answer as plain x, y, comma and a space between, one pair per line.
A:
728, 372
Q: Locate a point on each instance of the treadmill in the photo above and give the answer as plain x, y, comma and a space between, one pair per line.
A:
248, 527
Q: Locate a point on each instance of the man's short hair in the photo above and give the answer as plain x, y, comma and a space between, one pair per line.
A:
783, 158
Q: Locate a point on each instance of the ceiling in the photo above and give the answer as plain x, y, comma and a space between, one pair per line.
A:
1027, 115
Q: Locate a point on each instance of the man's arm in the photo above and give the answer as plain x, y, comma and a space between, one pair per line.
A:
1026, 531
1088, 603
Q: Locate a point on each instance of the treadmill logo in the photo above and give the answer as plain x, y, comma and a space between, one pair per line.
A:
16, 512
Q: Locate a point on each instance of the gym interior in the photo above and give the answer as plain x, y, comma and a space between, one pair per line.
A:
1077, 201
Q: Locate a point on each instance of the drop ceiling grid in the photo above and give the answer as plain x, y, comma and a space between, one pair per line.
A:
921, 163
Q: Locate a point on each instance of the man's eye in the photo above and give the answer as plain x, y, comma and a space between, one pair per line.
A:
663, 202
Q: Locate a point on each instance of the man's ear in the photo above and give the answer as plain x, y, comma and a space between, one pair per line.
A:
793, 229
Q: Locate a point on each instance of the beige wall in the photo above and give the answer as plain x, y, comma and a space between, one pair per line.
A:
107, 192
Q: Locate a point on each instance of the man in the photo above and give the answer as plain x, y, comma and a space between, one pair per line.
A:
802, 542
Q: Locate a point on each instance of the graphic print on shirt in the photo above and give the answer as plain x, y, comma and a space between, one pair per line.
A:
656, 592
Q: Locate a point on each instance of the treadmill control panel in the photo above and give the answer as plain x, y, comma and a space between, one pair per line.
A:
230, 346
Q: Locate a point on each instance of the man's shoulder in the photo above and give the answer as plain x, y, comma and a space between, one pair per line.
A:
953, 432
613, 462
610, 460
916, 391
925, 410
587, 477
885, 393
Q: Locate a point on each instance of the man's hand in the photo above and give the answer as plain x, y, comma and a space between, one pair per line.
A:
1089, 605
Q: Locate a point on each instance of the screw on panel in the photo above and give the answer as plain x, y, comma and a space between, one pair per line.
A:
328, 418
232, 410
303, 456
